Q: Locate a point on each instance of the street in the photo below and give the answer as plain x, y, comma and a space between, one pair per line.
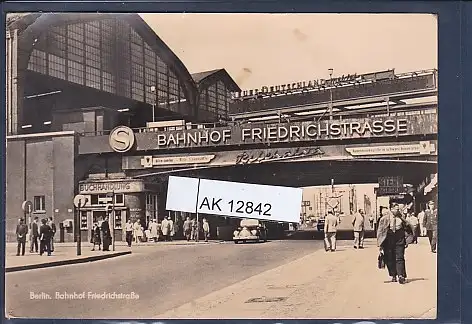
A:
164, 277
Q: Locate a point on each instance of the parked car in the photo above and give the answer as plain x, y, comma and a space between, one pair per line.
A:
250, 230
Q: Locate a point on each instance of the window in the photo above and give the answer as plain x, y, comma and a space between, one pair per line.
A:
119, 199
39, 203
93, 199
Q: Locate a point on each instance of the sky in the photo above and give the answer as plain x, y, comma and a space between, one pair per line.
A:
271, 49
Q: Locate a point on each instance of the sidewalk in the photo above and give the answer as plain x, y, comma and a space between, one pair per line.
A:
66, 253
344, 285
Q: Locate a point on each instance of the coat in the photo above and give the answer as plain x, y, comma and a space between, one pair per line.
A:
384, 226
153, 229
45, 232
34, 229
206, 227
21, 231
165, 227
331, 224
187, 226
171, 227
358, 222
430, 220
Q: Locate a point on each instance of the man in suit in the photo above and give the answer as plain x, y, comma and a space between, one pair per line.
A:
53, 232
21, 232
45, 238
34, 235
330, 229
358, 224
430, 222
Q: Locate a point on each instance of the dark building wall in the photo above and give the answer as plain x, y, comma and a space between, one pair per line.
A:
49, 171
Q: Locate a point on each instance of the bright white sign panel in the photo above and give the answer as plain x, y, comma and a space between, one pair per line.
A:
182, 194
249, 200
234, 199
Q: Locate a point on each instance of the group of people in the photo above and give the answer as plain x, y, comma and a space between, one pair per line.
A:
167, 229
397, 227
192, 229
330, 229
101, 234
396, 230
43, 233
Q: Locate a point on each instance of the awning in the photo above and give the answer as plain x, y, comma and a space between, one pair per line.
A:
431, 185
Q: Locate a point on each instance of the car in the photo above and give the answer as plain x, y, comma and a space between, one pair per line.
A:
250, 230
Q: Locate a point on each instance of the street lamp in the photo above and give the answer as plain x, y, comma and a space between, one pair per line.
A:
153, 91
330, 94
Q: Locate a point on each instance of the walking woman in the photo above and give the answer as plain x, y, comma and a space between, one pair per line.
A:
392, 243
96, 238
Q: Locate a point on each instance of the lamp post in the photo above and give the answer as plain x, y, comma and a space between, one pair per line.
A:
153, 91
330, 94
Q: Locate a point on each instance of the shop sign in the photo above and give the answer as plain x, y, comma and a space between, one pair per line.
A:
251, 157
299, 86
421, 148
390, 185
150, 161
111, 186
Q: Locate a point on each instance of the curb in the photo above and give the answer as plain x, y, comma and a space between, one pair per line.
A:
66, 262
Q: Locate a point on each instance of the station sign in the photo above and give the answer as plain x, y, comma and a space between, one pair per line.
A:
306, 132
234, 199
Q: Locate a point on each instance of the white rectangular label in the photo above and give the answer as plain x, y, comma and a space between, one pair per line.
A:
182, 194
249, 200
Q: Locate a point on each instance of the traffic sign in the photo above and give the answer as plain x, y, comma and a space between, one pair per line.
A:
80, 201
27, 206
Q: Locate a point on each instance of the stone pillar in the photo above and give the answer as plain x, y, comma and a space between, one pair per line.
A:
12, 83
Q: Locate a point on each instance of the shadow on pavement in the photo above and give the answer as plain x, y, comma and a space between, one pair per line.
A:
317, 235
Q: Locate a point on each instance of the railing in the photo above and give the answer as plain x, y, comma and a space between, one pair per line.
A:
400, 111
402, 83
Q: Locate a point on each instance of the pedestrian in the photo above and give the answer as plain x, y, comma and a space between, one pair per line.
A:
171, 228
206, 229
96, 238
154, 231
34, 235
53, 232
194, 229
413, 223
371, 221
106, 234
358, 224
44, 238
187, 229
421, 223
21, 232
392, 243
165, 229
138, 231
431, 225
129, 232
330, 229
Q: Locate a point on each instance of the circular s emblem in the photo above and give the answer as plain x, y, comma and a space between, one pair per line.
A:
121, 139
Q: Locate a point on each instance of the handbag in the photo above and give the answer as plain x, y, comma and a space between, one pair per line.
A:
381, 261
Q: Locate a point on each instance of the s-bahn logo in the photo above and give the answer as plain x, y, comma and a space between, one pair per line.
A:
121, 139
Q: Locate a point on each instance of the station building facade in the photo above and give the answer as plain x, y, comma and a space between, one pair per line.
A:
75, 75
74, 78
